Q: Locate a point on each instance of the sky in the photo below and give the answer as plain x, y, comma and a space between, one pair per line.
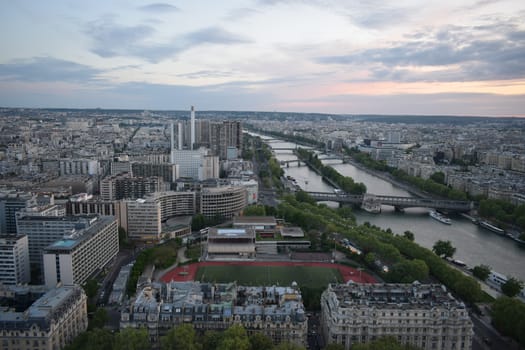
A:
446, 57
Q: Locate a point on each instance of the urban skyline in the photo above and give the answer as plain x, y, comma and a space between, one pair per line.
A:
321, 56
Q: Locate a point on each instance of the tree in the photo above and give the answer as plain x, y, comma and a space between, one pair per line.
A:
408, 271
481, 271
438, 177
409, 235
444, 249
100, 317
302, 196
99, 339
91, 288
234, 338
96, 339
132, 339
259, 341
288, 346
180, 338
508, 317
254, 210
334, 346
512, 287
211, 340
198, 222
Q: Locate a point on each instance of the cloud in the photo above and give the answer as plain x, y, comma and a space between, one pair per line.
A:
453, 54
212, 35
111, 40
159, 8
47, 69
378, 16
207, 74
241, 13
474, 104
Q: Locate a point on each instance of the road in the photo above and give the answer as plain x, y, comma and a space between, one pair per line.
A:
486, 337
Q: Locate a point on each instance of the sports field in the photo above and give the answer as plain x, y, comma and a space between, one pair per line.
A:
311, 276
268, 273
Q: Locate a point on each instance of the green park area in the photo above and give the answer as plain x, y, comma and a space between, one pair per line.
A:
305, 276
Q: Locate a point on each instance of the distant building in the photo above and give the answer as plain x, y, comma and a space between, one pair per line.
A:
124, 186
50, 323
266, 226
252, 190
119, 286
14, 260
75, 258
228, 243
142, 219
10, 203
426, 316
277, 312
222, 201
42, 231
225, 136
78, 167
196, 164
168, 172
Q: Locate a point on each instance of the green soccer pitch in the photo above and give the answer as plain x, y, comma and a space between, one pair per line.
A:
308, 276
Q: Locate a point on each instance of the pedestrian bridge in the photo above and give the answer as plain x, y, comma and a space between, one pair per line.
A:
396, 202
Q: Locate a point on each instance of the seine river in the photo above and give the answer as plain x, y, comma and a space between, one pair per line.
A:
474, 245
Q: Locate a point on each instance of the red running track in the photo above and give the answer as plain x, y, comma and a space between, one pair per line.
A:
187, 272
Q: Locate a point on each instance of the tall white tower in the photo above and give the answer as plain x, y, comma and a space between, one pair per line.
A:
172, 144
180, 136
192, 127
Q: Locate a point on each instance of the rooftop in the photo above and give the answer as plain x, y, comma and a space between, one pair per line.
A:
254, 220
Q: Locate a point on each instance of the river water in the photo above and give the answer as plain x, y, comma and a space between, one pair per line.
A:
474, 245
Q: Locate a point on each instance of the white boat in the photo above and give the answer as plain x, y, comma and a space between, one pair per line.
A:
492, 228
441, 218
371, 204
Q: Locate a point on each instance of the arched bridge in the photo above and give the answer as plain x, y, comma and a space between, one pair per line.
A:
397, 202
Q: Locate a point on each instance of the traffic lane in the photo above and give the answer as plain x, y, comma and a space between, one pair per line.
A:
488, 338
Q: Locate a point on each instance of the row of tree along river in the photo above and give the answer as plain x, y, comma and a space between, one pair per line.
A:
475, 245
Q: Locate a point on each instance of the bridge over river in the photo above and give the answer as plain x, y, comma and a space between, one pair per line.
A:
395, 201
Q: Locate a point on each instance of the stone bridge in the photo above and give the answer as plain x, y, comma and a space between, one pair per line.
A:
397, 202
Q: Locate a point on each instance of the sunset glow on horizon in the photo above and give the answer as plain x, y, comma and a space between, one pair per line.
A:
368, 57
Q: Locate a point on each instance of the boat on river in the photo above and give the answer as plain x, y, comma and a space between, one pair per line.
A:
492, 228
439, 217
371, 204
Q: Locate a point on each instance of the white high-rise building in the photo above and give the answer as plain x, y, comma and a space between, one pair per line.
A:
180, 139
44, 230
75, 258
192, 131
14, 260
196, 164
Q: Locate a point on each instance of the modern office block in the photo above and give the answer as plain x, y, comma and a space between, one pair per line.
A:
222, 201
73, 259
14, 260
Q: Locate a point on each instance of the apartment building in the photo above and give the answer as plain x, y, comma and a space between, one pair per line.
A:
424, 315
224, 201
277, 312
75, 258
42, 231
14, 260
50, 323
124, 186
10, 203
